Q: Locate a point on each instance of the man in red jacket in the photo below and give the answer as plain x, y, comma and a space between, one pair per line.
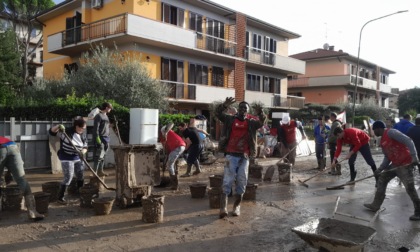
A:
359, 142
174, 146
399, 151
286, 136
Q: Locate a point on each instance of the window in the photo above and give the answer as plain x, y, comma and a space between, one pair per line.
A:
173, 70
196, 22
198, 74
172, 15
217, 76
256, 42
271, 85
216, 30
33, 33
253, 82
41, 56
73, 29
270, 48
71, 68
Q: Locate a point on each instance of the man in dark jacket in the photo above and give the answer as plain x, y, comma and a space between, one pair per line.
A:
414, 134
239, 144
404, 124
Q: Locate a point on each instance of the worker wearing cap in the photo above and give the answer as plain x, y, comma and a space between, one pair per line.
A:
286, 136
174, 146
399, 151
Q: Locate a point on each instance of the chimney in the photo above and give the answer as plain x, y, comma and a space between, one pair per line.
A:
331, 48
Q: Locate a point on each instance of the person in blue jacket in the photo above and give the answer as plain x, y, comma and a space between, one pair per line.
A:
321, 132
404, 124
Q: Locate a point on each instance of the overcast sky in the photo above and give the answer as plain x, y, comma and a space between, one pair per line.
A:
392, 42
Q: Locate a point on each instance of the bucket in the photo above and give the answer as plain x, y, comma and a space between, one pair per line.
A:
102, 206
250, 192
216, 180
87, 193
214, 196
153, 208
72, 188
285, 172
12, 198
255, 171
53, 188
42, 200
198, 190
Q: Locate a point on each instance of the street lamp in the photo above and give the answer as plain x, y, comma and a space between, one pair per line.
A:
358, 60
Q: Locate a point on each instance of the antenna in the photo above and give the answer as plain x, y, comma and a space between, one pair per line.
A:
326, 31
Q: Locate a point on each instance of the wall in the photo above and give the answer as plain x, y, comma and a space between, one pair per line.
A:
325, 68
324, 96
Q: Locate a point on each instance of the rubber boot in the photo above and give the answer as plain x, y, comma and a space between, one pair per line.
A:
338, 169
237, 205
30, 205
223, 206
319, 163
323, 163
416, 202
174, 182
377, 202
80, 184
188, 173
197, 168
61, 199
352, 176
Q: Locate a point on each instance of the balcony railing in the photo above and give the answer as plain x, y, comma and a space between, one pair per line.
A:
260, 56
288, 102
99, 29
215, 44
180, 90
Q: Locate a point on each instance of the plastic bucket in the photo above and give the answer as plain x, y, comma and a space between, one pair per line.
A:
255, 171
42, 200
216, 180
52, 188
214, 197
198, 190
153, 208
103, 206
250, 192
285, 172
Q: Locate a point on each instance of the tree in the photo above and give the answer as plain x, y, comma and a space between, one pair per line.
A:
10, 78
21, 14
409, 100
117, 76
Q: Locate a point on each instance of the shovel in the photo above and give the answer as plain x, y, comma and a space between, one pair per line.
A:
316, 175
87, 164
357, 180
270, 170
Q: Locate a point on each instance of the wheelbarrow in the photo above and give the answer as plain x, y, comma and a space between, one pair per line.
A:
330, 234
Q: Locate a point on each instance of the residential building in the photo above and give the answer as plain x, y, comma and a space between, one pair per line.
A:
330, 78
204, 51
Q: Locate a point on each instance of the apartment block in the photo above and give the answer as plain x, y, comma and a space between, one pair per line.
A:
330, 78
202, 50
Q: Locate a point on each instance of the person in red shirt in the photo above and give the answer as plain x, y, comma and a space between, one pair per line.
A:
239, 144
399, 152
359, 142
10, 157
174, 146
286, 137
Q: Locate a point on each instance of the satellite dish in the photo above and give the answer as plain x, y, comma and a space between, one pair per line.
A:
326, 46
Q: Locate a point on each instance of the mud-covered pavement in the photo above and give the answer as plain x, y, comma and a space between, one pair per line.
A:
190, 225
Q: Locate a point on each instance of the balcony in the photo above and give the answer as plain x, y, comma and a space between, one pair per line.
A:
271, 100
128, 28
286, 64
385, 88
197, 93
215, 44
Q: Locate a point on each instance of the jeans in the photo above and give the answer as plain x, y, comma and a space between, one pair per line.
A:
172, 157
320, 151
236, 168
10, 157
194, 152
99, 157
365, 151
71, 167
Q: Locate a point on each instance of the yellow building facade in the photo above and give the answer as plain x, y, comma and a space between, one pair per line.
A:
202, 50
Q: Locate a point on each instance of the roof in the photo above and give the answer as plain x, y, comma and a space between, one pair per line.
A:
319, 54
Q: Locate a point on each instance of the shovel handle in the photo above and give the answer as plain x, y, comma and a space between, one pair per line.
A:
87, 164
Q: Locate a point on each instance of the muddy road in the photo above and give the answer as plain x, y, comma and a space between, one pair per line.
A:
191, 225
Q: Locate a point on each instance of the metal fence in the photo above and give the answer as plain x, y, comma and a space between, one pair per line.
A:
33, 139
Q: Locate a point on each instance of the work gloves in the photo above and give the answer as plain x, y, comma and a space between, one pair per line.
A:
98, 141
82, 153
378, 172
61, 128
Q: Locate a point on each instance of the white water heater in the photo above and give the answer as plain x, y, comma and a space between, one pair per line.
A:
144, 125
